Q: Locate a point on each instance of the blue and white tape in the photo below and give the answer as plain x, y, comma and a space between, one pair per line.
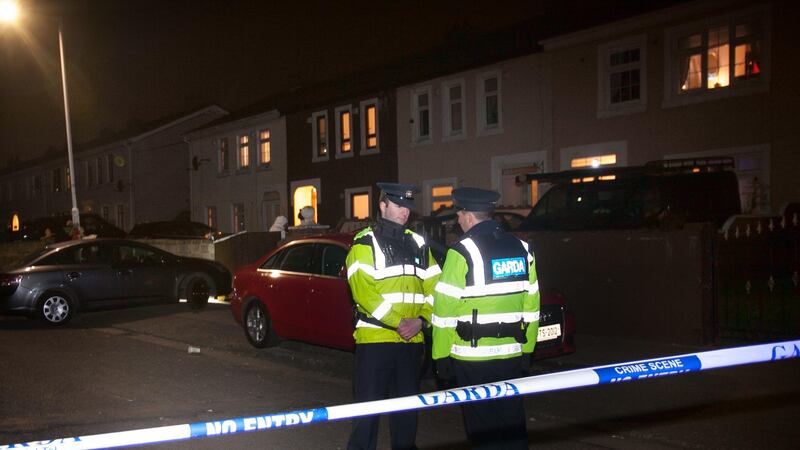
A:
614, 373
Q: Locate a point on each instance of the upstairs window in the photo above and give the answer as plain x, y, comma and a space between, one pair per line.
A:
344, 132
100, 168
489, 103
319, 130
223, 154
244, 151
89, 171
211, 216
718, 58
264, 155
453, 108
369, 127
622, 77
110, 167
421, 114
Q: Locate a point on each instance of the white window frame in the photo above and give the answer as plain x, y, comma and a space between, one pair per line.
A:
619, 148
605, 108
223, 161
120, 215
427, 187
243, 164
484, 129
448, 134
673, 97
362, 106
348, 194
416, 138
234, 222
261, 142
315, 157
338, 116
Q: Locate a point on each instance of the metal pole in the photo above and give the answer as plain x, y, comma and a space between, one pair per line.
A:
76, 219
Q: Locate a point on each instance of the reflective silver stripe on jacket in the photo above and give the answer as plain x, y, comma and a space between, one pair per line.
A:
396, 297
490, 350
451, 322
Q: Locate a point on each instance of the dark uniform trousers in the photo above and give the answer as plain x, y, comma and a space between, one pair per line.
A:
385, 370
493, 424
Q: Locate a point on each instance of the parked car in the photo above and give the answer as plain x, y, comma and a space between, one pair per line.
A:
63, 278
299, 291
176, 229
61, 227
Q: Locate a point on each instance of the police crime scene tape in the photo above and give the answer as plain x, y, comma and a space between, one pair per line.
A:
614, 373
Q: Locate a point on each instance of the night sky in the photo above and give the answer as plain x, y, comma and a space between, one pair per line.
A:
132, 61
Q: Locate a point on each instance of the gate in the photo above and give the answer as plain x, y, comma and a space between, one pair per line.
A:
756, 281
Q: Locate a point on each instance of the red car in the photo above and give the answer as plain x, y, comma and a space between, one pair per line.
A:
299, 291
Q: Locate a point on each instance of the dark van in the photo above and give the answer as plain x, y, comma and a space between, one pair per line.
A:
663, 194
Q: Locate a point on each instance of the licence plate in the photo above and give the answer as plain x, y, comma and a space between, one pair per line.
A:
549, 332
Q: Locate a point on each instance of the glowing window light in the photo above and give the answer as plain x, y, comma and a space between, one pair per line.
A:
594, 161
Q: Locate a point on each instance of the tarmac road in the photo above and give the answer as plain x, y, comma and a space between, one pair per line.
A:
129, 369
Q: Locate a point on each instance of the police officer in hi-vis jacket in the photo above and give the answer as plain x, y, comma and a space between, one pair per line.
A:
391, 273
486, 318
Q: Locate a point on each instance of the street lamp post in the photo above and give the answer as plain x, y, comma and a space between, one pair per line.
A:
9, 13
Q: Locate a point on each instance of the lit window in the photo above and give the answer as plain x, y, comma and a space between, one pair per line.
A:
263, 147
489, 103
244, 151
319, 129
421, 113
370, 140
67, 179
211, 216
223, 154
441, 197
357, 203
593, 161
304, 196
720, 55
344, 131
453, 108
238, 218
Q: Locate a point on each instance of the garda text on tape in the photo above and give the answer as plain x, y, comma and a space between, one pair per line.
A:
615, 373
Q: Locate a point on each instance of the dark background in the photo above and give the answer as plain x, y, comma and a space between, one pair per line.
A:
132, 61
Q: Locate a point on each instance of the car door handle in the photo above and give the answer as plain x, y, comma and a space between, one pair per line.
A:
72, 276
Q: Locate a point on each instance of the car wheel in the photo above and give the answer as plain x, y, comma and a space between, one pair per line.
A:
55, 308
258, 325
197, 292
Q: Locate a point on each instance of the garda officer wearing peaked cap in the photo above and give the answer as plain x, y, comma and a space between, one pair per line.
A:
486, 318
399, 194
391, 272
474, 199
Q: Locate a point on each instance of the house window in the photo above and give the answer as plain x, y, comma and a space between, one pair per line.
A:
421, 113
104, 211
489, 103
453, 108
441, 196
357, 202
319, 133
264, 156
211, 216
238, 218
89, 171
344, 135
593, 161
304, 193
100, 167
67, 179
724, 57
614, 153
244, 151
120, 219
622, 77
110, 167
223, 154
370, 139
57, 187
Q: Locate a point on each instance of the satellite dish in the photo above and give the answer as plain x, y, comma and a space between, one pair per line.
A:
119, 161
